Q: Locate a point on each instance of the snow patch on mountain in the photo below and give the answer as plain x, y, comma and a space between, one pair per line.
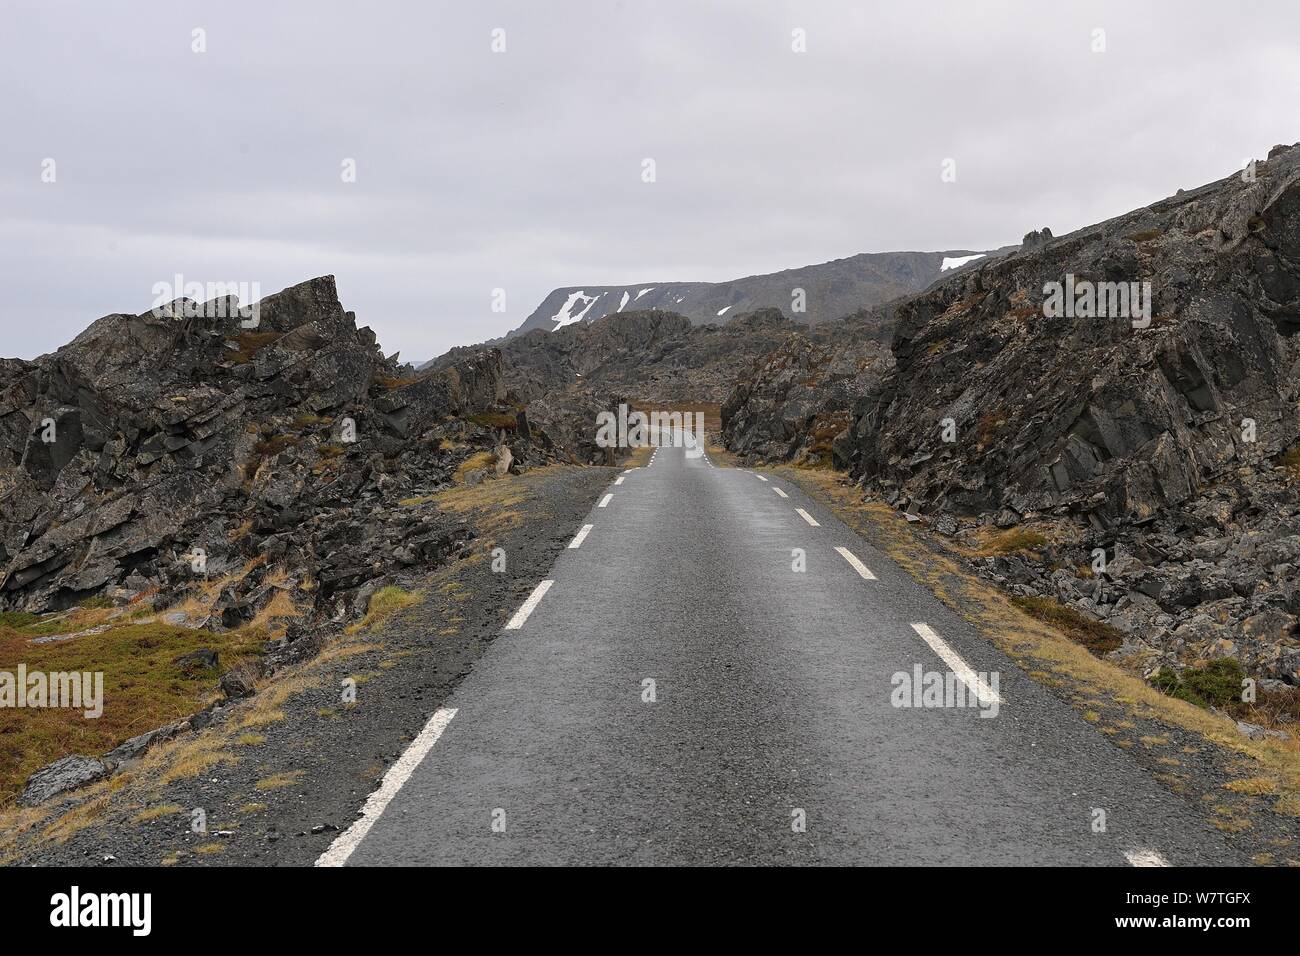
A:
958, 261
566, 317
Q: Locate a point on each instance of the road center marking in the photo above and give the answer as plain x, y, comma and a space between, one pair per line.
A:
807, 517
953, 660
534, 599
581, 536
1145, 858
858, 566
377, 802
780, 492
604, 501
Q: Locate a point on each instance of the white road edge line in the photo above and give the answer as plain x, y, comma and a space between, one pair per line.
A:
760, 477
780, 492
807, 517
953, 660
534, 599
858, 566
604, 501
581, 536
1144, 858
618, 480
378, 802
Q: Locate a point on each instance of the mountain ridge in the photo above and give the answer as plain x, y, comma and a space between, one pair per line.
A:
831, 290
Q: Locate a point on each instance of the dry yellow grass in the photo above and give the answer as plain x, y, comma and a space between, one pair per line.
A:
193, 757
479, 461
153, 813
1256, 786
78, 818
277, 781
384, 603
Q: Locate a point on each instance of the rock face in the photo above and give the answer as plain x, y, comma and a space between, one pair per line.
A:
1090, 415
152, 450
794, 403
656, 356
566, 378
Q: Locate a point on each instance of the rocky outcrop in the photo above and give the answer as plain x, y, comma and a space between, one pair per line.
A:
1149, 422
154, 450
1111, 417
650, 355
794, 403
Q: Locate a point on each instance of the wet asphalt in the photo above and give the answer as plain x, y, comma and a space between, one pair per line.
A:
683, 695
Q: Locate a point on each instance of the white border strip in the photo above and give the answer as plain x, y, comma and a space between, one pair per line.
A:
780, 492
858, 566
807, 517
953, 660
1144, 858
581, 536
378, 802
604, 501
534, 599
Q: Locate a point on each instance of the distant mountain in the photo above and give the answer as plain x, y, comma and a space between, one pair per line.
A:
831, 290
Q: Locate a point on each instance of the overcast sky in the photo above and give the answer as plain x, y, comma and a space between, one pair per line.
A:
522, 170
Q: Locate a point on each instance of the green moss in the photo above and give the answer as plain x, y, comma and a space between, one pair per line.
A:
501, 420
1146, 235
1012, 540
273, 446
1099, 638
1217, 684
250, 343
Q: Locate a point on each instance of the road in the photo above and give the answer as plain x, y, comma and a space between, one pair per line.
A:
768, 735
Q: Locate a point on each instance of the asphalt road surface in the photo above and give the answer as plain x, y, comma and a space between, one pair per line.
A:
770, 733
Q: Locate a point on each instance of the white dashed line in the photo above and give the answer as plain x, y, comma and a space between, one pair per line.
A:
604, 501
760, 478
1144, 858
534, 599
378, 801
780, 492
807, 517
618, 480
581, 536
953, 660
858, 566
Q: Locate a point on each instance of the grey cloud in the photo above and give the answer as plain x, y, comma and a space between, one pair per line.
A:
522, 170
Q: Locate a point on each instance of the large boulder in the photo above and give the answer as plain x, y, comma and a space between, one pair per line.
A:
67, 773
